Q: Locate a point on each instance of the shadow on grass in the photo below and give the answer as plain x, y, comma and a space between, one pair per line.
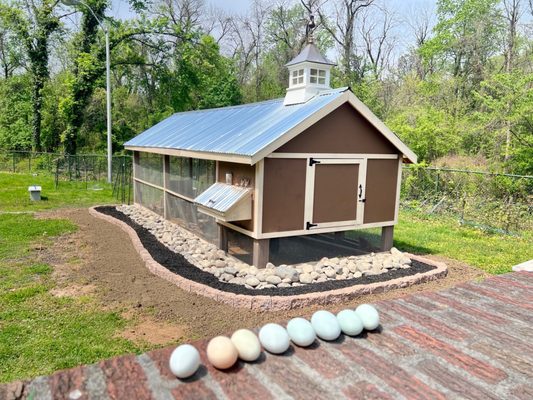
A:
411, 248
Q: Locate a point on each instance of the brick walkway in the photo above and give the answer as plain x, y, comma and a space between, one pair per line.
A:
470, 341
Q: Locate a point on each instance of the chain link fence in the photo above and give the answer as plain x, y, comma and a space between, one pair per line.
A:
86, 169
493, 202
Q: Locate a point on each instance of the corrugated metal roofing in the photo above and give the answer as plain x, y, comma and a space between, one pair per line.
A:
239, 130
310, 53
221, 196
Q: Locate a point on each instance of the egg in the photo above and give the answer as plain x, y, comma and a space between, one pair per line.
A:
184, 361
325, 325
247, 344
369, 316
274, 338
350, 322
301, 332
221, 352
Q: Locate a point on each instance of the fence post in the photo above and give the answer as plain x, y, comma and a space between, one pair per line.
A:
14, 155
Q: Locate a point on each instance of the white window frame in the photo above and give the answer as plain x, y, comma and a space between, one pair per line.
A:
297, 75
318, 76
310, 192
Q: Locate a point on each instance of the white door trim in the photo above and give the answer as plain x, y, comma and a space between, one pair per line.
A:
310, 192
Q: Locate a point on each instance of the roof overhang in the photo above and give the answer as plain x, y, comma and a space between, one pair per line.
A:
235, 158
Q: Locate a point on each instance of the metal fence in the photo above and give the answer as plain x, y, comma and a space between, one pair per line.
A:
492, 202
82, 168
489, 201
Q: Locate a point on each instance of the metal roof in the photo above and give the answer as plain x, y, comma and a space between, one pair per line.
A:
221, 197
310, 53
238, 130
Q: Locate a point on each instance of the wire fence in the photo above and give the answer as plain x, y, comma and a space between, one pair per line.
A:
83, 168
492, 202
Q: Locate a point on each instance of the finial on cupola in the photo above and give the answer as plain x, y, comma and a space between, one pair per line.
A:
310, 28
309, 71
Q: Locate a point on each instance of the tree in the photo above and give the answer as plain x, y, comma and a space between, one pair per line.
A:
34, 22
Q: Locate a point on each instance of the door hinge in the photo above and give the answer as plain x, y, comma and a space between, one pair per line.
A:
309, 225
313, 161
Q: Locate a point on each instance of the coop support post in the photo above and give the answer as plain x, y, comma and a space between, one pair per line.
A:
261, 252
387, 235
166, 169
222, 238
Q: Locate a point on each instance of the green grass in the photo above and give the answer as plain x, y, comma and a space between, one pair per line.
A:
14, 194
495, 253
40, 333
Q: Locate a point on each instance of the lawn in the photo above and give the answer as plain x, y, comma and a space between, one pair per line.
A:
495, 253
14, 194
40, 333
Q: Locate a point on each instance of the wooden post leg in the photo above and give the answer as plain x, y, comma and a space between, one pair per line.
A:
261, 252
387, 237
222, 238
339, 236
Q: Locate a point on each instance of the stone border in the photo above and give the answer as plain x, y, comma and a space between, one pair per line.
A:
274, 303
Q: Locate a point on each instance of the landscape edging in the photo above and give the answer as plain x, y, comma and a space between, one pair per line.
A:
274, 303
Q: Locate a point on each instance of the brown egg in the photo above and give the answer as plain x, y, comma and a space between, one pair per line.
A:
221, 352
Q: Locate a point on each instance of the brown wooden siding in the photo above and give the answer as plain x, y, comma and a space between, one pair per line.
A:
239, 171
342, 131
381, 182
283, 194
335, 197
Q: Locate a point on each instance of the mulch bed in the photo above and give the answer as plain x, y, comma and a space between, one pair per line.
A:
177, 264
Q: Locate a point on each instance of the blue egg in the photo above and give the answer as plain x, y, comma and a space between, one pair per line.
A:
325, 325
369, 316
184, 361
274, 338
350, 323
301, 332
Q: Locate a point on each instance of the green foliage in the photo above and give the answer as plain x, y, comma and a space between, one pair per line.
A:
15, 113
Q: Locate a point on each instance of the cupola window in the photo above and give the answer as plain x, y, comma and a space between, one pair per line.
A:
317, 76
297, 77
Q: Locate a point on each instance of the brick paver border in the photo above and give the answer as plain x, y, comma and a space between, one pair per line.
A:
274, 303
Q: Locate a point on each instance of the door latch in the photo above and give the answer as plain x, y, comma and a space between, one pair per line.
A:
361, 194
313, 161
309, 225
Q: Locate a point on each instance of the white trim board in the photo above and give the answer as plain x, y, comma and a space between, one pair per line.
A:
335, 155
193, 154
325, 230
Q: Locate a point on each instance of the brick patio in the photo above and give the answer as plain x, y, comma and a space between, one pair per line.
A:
470, 341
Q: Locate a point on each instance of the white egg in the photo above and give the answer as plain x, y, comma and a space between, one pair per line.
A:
247, 344
274, 338
326, 325
301, 332
369, 316
350, 322
221, 352
184, 361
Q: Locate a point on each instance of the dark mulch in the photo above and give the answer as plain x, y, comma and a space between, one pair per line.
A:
176, 263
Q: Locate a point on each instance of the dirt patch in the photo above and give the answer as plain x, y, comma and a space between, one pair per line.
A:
73, 291
110, 263
153, 332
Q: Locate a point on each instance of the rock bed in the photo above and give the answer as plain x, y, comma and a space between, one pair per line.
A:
225, 268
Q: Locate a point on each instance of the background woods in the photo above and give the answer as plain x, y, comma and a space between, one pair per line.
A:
454, 79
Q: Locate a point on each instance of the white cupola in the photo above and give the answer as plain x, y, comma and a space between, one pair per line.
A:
309, 73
